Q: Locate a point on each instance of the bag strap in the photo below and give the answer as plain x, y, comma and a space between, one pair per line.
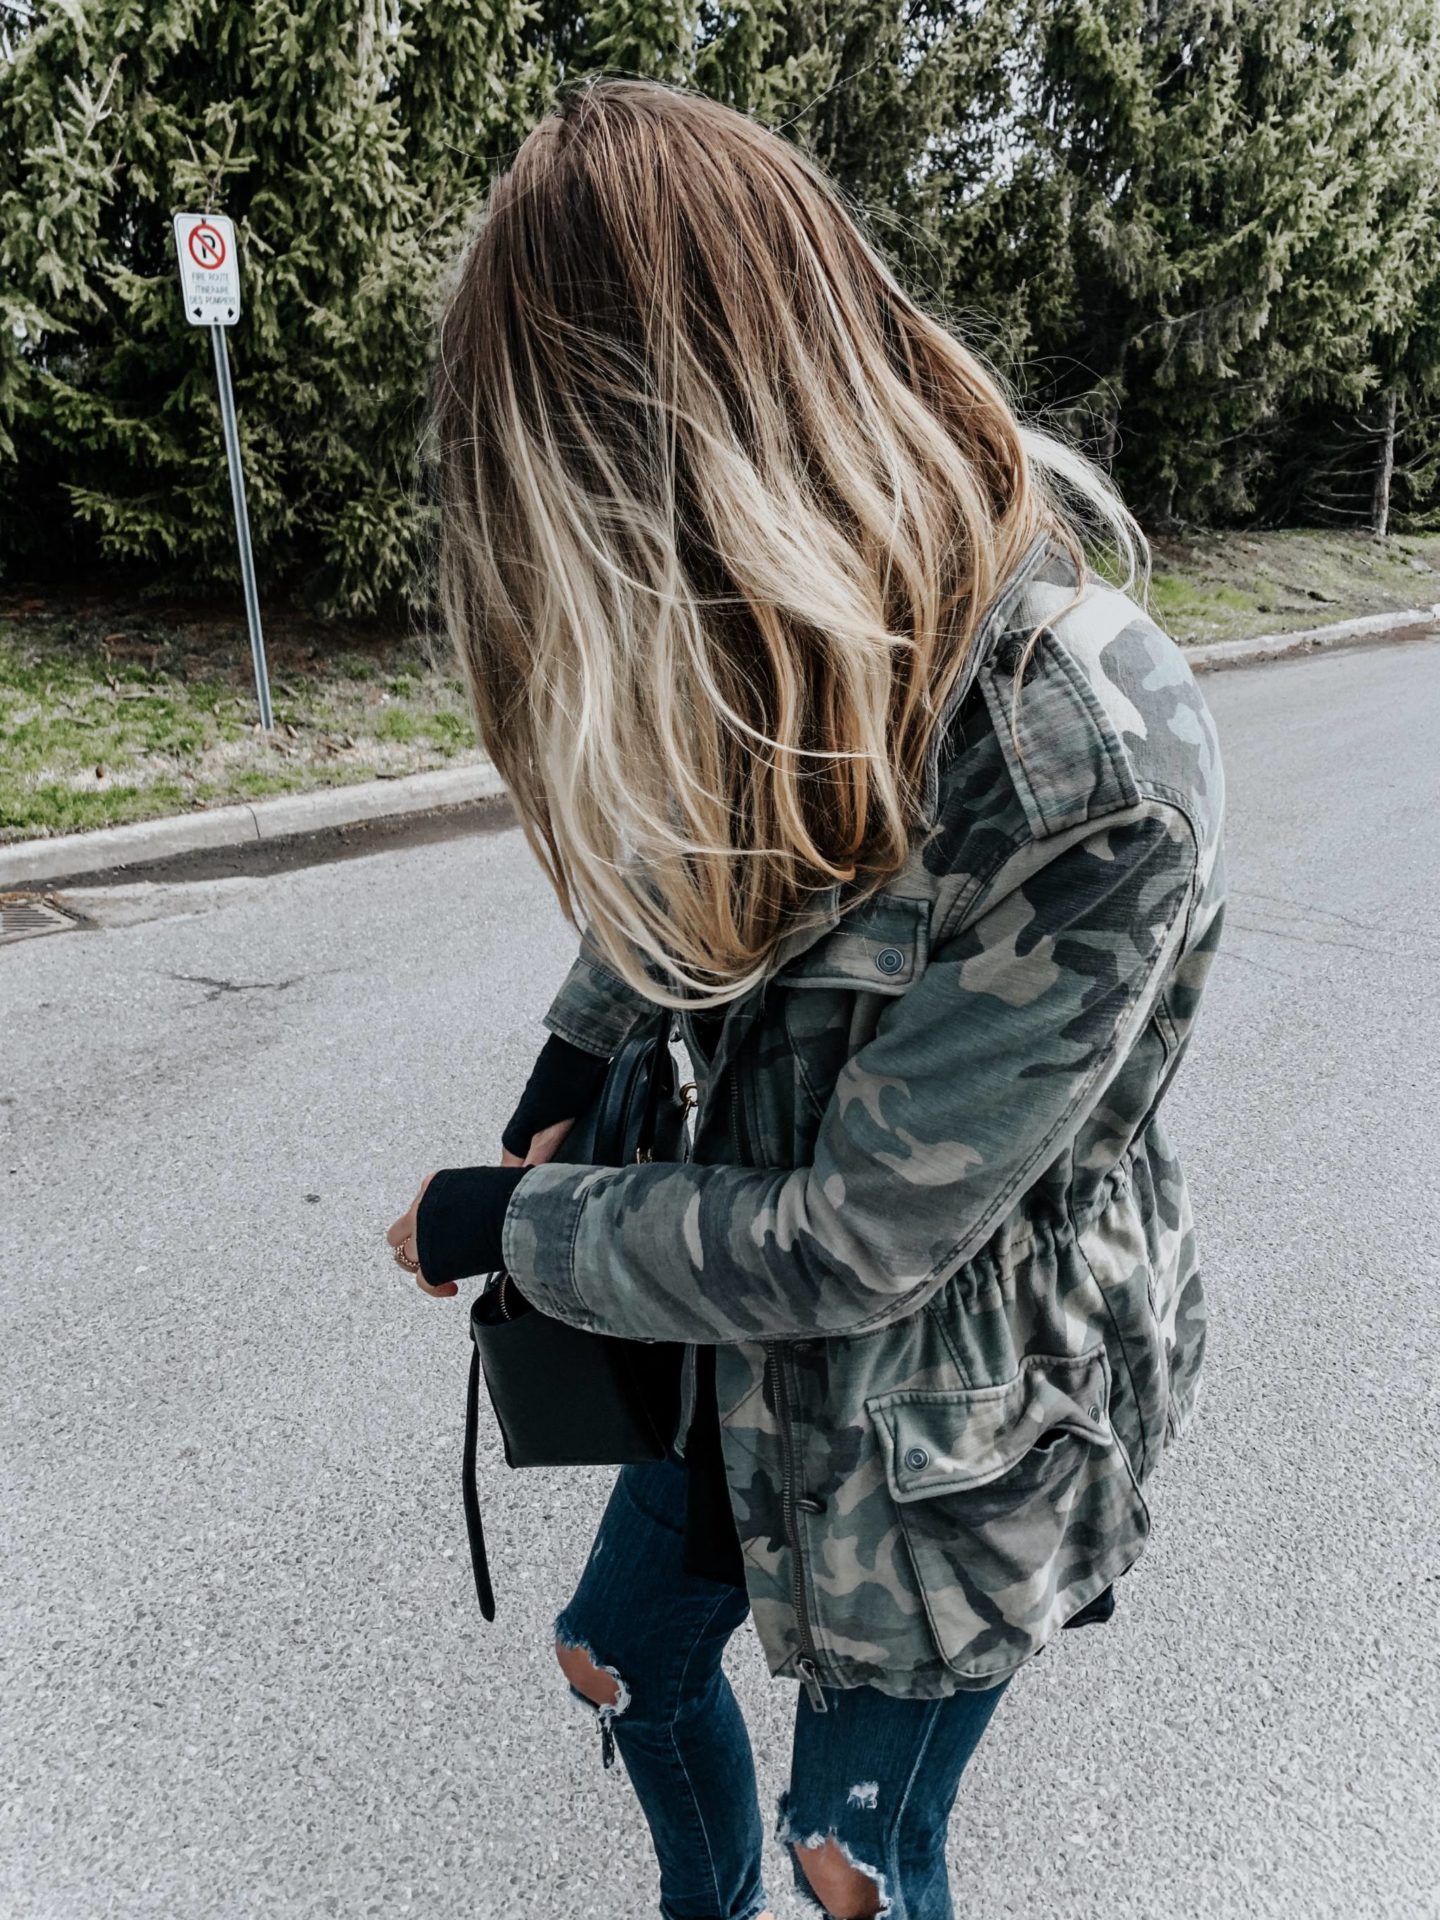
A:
660, 1084
484, 1591
619, 1100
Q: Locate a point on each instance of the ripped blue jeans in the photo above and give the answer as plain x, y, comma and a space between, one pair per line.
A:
876, 1774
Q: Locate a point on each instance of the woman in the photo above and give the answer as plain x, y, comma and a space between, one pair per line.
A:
778, 626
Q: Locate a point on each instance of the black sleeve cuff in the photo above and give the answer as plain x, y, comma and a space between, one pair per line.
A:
460, 1221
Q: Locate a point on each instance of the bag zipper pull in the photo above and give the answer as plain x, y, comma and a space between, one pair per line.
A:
811, 1682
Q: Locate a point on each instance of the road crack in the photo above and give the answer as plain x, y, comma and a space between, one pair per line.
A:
217, 987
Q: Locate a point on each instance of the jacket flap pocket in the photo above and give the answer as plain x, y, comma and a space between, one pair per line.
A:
879, 945
948, 1441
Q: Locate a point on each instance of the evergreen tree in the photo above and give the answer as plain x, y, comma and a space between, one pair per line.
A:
1198, 215
1360, 389
1200, 234
866, 86
650, 39
302, 121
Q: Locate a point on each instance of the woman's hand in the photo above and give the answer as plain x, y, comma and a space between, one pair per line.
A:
543, 1146
401, 1236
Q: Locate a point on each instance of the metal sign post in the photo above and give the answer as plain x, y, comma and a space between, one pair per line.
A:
210, 282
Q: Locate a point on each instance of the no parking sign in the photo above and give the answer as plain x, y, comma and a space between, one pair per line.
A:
210, 283
209, 269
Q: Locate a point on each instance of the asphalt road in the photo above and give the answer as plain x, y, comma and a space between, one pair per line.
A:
243, 1671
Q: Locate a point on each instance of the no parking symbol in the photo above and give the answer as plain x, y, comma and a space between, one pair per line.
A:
206, 246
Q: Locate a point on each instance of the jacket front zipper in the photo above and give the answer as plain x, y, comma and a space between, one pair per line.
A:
806, 1664
690, 1357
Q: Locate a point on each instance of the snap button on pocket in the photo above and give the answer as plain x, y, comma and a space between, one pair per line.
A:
1095, 1414
890, 960
916, 1458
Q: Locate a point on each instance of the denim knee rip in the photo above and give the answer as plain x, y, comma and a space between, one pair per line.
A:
606, 1712
792, 1832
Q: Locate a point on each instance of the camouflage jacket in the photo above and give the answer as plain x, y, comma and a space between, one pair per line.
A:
931, 1220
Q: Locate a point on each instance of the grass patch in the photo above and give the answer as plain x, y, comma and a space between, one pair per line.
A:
1185, 607
110, 715
1231, 585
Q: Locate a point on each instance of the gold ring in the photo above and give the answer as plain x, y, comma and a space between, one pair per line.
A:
410, 1266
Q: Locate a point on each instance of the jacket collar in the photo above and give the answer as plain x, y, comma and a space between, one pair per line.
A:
828, 906
997, 621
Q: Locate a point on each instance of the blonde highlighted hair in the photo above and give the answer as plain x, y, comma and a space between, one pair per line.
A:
722, 512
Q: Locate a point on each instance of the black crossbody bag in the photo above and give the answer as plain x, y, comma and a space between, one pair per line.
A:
564, 1397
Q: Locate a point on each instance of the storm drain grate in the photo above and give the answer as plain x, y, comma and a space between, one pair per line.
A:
22, 919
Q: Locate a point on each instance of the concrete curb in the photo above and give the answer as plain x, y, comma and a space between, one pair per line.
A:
1275, 646
71, 856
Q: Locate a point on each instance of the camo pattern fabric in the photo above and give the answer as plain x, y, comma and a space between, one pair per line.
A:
931, 1220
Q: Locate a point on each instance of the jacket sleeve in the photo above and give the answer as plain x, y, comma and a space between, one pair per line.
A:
975, 1080
594, 1008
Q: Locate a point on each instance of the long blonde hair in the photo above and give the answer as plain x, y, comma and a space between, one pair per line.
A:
722, 510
